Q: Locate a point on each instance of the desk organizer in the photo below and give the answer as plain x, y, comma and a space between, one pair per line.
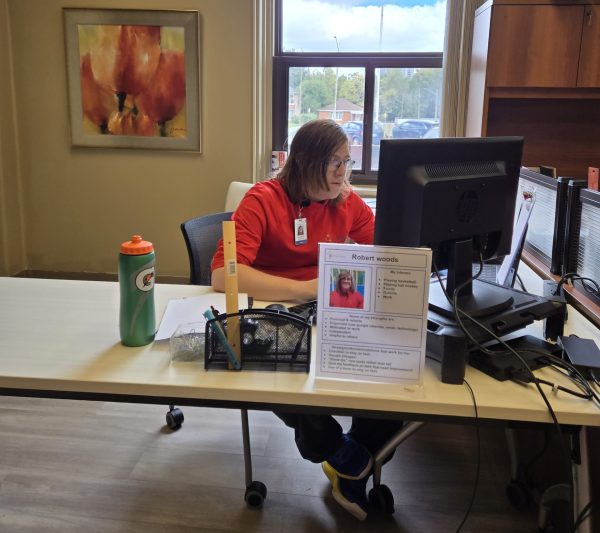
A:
270, 340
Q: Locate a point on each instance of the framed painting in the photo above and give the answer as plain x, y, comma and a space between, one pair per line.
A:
133, 78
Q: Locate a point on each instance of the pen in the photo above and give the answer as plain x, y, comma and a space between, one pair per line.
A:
209, 315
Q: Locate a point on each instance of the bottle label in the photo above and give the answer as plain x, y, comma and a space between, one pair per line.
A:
144, 280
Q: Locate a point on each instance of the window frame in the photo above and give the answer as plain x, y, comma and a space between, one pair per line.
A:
369, 61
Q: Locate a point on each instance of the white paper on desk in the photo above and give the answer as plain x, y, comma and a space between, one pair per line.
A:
384, 341
186, 310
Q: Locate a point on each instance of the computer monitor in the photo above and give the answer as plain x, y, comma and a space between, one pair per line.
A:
456, 196
584, 241
546, 233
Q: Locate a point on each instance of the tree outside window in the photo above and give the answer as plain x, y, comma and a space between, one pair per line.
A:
369, 65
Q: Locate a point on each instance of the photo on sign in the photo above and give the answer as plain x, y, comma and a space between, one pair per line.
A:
347, 288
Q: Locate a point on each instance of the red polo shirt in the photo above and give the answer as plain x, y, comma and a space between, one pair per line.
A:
352, 300
264, 226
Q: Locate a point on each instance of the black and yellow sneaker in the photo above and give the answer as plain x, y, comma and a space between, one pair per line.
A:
351, 494
352, 460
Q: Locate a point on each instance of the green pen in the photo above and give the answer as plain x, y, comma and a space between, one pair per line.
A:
209, 315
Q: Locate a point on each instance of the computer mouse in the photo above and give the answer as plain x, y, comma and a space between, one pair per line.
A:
277, 307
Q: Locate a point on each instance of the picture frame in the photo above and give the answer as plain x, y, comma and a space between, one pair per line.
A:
133, 78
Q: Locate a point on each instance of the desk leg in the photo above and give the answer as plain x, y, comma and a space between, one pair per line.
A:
581, 475
247, 451
256, 491
380, 496
401, 435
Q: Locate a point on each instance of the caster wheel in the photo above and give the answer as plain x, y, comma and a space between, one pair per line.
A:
518, 495
174, 418
255, 494
381, 499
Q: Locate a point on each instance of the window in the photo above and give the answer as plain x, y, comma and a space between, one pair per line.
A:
374, 66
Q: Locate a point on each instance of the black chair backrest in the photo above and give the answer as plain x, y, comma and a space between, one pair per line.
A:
201, 236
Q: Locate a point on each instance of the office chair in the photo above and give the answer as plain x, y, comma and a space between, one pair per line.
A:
201, 235
235, 193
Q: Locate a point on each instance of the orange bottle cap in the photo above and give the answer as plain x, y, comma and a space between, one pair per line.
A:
136, 246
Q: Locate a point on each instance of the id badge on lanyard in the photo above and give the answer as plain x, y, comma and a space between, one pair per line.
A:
300, 231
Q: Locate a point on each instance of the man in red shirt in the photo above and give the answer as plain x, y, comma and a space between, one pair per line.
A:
279, 224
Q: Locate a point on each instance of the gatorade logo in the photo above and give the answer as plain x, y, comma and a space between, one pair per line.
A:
144, 281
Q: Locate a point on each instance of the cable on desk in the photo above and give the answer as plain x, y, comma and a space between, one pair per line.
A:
594, 378
565, 369
575, 375
520, 280
573, 276
478, 467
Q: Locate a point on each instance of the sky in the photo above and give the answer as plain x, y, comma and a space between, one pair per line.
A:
408, 25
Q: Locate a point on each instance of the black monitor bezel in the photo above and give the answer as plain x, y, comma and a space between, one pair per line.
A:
396, 195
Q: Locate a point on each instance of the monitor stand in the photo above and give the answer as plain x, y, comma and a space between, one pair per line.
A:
447, 343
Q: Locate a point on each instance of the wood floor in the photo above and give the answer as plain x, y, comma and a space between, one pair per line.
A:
74, 466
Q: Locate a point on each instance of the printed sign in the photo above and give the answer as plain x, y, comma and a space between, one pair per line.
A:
372, 313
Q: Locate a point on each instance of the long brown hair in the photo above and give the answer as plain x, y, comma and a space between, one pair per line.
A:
306, 166
344, 274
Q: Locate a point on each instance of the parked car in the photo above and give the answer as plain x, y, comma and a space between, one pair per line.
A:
354, 131
412, 128
433, 133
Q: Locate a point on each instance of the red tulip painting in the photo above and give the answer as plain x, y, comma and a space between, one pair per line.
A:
132, 78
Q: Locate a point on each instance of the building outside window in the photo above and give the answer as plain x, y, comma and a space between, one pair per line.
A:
373, 66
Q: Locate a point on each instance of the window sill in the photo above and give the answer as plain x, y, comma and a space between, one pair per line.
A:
365, 191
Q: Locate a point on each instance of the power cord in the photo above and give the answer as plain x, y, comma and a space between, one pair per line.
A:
458, 313
594, 378
520, 280
585, 391
478, 464
573, 276
584, 514
567, 369
478, 468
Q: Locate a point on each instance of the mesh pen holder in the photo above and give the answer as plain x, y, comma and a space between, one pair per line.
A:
270, 340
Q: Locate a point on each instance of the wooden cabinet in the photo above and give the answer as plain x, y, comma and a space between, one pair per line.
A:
534, 45
589, 57
535, 72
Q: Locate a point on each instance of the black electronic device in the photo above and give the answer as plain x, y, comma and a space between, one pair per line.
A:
505, 365
572, 226
554, 325
457, 196
583, 354
447, 343
584, 243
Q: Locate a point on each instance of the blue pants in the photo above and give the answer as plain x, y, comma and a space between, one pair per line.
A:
320, 436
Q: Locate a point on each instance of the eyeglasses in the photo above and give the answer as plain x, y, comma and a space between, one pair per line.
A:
335, 164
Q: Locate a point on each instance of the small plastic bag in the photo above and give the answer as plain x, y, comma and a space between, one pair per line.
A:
187, 343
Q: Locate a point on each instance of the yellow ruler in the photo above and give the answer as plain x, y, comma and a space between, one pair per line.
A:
231, 289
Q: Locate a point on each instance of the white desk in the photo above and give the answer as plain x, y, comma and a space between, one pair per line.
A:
60, 338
